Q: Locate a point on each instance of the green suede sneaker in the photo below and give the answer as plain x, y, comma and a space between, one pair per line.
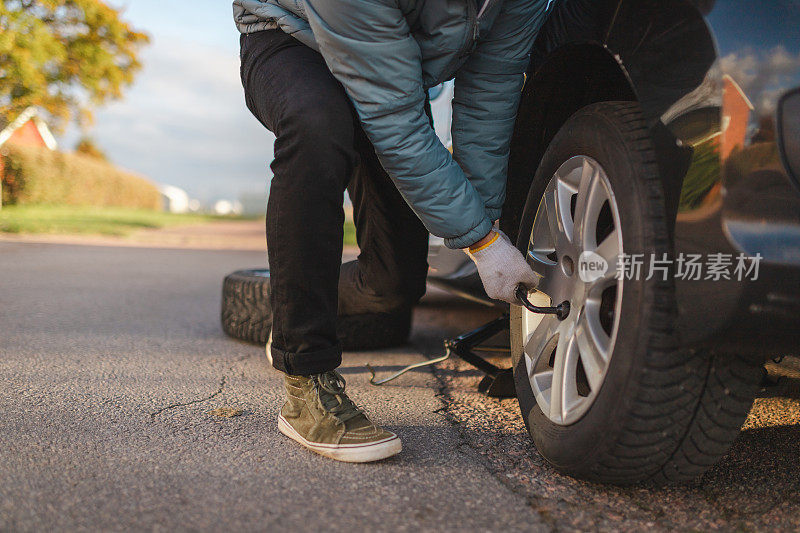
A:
319, 415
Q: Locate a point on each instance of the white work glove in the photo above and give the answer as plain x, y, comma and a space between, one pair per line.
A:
502, 268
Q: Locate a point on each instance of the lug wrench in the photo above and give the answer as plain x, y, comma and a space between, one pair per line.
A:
463, 345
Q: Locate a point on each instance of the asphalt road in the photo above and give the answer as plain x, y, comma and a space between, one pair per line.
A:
111, 359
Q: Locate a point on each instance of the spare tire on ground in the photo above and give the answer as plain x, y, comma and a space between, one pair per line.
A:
247, 315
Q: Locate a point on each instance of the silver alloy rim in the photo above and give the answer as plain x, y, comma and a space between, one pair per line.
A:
576, 230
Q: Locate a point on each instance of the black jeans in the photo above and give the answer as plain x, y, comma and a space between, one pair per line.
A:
320, 151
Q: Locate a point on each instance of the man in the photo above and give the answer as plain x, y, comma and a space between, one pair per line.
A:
341, 84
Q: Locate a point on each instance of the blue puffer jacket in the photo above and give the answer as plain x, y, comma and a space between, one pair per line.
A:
386, 53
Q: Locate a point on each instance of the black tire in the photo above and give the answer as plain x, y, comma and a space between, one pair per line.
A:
662, 414
247, 315
730, 384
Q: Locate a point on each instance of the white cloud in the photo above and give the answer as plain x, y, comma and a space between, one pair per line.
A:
761, 75
184, 123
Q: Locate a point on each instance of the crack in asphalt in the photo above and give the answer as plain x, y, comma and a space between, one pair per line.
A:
222, 382
192, 402
443, 393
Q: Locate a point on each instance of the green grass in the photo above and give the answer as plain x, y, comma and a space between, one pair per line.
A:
91, 220
349, 233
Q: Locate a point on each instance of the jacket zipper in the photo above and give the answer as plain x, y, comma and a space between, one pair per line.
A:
470, 40
472, 21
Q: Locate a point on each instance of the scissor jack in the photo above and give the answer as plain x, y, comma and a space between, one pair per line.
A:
499, 382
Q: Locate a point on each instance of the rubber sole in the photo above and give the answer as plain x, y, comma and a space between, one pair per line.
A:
347, 453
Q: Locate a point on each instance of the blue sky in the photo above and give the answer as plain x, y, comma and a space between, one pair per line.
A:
184, 121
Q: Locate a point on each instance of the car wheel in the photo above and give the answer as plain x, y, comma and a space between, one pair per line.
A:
605, 394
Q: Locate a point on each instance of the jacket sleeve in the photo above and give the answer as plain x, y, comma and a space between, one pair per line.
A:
368, 47
487, 95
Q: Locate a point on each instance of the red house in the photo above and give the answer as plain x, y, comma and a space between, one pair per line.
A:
28, 129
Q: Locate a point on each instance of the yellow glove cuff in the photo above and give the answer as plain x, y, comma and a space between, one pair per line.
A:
495, 236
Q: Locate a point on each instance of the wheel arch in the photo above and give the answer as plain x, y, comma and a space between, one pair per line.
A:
576, 75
